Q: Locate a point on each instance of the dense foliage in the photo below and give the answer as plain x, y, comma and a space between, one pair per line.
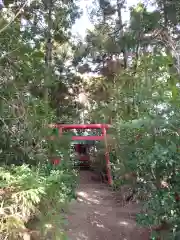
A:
35, 79
137, 89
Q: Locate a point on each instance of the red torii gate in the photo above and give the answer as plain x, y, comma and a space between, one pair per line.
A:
103, 137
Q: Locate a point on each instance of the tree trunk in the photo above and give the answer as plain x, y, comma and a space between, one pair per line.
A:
120, 4
48, 53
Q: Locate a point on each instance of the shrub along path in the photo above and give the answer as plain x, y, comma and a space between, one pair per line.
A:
96, 215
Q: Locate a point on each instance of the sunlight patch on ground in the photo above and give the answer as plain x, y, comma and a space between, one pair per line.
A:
86, 197
96, 191
82, 236
100, 214
82, 194
127, 224
99, 225
79, 235
124, 223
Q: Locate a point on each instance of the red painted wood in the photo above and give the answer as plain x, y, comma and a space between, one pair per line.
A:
89, 138
107, 158
56, 161
83, 138
84, 158
60, 131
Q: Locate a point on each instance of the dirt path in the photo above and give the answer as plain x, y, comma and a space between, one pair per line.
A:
97, 216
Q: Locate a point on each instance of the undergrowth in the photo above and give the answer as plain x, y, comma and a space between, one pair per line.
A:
33, 202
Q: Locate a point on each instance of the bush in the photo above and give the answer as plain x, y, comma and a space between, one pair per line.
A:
32, 200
